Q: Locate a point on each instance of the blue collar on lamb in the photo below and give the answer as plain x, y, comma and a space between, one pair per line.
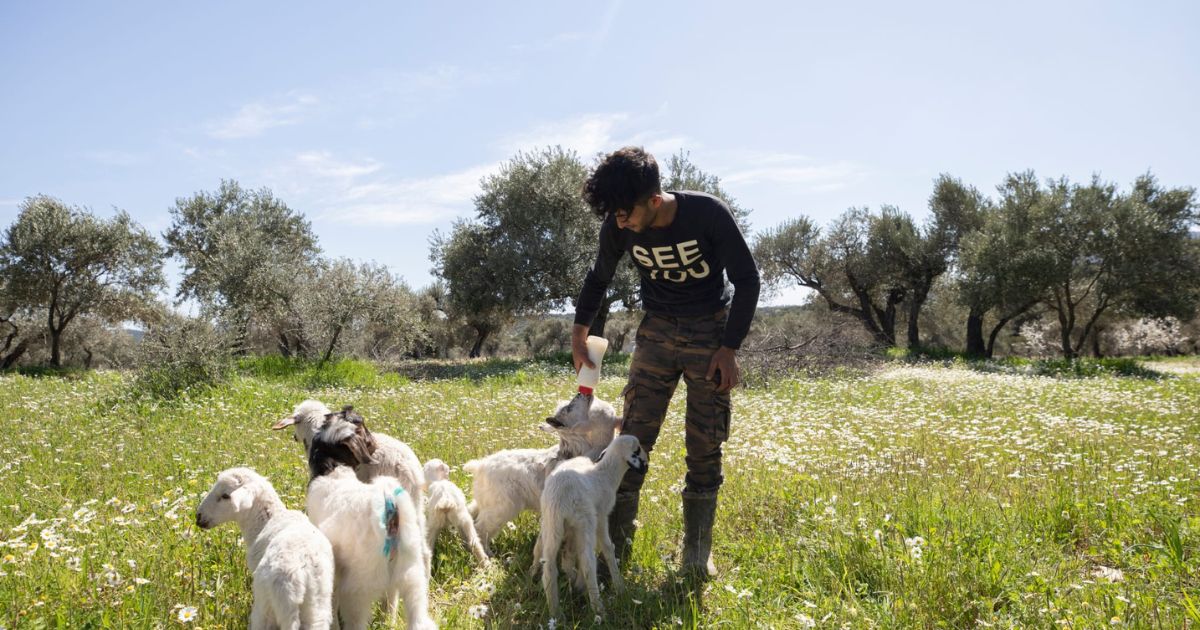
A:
391, 520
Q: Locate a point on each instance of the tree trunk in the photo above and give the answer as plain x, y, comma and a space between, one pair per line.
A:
1096, 343
87, 358
332, 343
55, 348
285, 348
914, 333
1065, 336
887, 317
8, 360
619, 340
1066, 320
919, 294
975, 346
478, 347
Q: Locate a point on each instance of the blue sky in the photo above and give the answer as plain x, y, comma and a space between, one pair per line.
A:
378, 119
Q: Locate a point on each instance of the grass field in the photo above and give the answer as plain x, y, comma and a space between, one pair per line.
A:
917, 495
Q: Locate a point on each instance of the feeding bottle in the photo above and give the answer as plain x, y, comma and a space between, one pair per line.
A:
589, 377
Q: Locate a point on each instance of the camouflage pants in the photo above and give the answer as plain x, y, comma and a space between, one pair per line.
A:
667, 348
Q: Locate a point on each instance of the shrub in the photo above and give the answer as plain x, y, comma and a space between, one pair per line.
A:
180, 354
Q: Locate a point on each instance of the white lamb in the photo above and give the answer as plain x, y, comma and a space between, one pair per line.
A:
377, 544
392, 457
509, 482
447, 506
290, 559
578, 497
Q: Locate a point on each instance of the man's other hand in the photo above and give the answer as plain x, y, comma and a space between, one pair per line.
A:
724, 364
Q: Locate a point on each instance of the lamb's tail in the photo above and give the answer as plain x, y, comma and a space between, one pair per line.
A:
391, 521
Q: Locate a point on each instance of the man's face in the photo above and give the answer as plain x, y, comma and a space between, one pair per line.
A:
640, 216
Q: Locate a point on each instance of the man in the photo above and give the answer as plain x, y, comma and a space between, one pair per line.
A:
683, 244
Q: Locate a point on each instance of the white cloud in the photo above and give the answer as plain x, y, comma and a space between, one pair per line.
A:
255, 118
590, 134
360, 192
411, 200
322, 164
587, 135
792, 170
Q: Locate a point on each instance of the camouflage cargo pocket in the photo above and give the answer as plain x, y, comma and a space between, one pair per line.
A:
722, 409
627, 395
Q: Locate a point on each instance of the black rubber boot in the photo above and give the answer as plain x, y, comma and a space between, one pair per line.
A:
621, 526
698, 516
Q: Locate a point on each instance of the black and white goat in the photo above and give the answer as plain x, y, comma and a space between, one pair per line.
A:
392, 458
377, 543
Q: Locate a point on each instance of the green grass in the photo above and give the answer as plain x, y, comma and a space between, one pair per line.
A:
922, 495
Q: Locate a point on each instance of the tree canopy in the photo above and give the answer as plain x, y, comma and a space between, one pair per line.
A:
63, 262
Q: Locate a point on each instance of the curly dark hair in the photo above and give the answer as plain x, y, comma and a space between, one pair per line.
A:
621, 180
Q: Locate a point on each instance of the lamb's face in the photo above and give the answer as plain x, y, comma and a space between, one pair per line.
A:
584, 424
630, 448
229, 496
436, 470
307, 419
570, 415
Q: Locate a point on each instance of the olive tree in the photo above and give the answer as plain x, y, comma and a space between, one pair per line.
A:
245, 254
848, 266
62, 262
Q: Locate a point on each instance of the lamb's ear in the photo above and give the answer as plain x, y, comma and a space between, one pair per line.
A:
242, 499
284, 423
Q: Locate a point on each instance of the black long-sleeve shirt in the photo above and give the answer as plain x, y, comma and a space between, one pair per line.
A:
682, 266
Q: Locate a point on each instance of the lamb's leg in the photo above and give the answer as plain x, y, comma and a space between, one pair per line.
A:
391, 604
570, 568
586, 546
550, 539
334, 620
489, 521
610, 554
414, 590
315, 615
355, 609
260, 614
537, 557
466, 527
419, 509
291, 620
432, 527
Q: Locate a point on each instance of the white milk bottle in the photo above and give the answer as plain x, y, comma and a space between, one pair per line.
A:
589, 377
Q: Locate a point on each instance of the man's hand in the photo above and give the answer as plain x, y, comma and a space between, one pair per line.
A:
579, 353
724, 364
